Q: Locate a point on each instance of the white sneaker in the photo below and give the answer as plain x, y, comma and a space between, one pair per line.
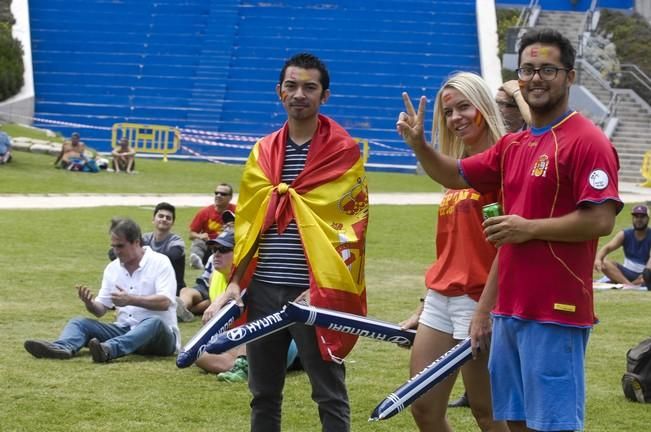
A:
182, 312
195, 261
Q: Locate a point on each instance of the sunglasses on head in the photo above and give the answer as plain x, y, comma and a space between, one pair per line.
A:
222, 249
219, 193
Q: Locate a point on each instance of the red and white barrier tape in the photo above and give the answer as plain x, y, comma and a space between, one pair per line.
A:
221, 135
215, 143
191, 136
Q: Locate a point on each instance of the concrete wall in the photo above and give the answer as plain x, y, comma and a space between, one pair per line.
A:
643, 7
491, 69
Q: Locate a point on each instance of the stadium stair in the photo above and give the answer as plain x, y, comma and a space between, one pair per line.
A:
214, 64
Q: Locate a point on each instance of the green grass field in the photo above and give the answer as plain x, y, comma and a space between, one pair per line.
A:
45, 253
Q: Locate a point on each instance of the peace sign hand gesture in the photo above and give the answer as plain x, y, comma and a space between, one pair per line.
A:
410, 124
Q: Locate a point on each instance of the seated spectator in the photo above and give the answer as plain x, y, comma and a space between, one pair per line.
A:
231, 366
194, 301
163, 240
73, 149
207, 223
515, 111
140, 286
124, 157
636, 242
5, 148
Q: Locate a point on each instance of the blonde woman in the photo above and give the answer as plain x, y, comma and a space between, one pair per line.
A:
466, 121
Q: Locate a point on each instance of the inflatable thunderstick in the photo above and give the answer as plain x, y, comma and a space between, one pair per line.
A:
206, 334
350, 323
249, 332
420, 383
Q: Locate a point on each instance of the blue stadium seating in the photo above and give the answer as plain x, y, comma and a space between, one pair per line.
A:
214, 64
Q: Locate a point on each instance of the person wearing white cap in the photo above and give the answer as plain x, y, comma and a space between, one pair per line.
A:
636, 242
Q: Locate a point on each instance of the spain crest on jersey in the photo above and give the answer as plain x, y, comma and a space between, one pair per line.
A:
540, 167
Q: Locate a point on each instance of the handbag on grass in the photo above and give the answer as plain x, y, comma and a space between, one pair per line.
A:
636, 382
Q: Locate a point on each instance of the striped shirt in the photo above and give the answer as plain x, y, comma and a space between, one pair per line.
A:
281, 259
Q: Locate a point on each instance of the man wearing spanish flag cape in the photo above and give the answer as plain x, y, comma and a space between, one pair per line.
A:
300, 233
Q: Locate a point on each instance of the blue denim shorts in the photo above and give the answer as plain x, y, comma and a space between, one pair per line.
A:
537, 373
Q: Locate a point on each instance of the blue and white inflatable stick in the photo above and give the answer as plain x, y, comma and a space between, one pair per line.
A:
420, 383
350, 323
249, 332
217, 324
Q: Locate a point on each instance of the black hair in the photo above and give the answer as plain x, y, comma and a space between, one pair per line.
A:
165, 206
230, 188
549, 36
307, 61
127, 228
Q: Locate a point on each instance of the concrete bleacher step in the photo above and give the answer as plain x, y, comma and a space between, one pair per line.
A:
569, 23
221, 27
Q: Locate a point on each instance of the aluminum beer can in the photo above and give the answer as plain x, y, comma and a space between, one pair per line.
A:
491, 210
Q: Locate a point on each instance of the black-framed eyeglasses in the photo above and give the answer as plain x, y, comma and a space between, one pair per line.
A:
546, 73
222, 249
220, 193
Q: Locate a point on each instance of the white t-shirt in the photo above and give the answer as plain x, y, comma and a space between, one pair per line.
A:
154, 276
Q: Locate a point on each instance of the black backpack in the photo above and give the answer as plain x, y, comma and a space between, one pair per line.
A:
636, 382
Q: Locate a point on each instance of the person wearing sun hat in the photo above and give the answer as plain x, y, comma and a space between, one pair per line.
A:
636, 242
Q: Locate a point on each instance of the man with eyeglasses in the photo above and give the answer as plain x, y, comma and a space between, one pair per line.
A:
559, 185
163, 240
194, 301
139, 285
207, 223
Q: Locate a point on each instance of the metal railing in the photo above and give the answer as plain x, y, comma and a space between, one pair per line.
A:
583, 67
512, 35
525, 14
637, 73
587, 28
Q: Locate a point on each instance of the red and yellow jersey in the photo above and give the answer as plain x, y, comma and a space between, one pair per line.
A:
463, 255
548, 173
209, 220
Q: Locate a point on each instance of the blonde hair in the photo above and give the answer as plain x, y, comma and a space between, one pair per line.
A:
474, 88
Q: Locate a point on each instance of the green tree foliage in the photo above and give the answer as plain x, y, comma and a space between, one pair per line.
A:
5, 12
631, 34
11, 63
11, 55
506, 18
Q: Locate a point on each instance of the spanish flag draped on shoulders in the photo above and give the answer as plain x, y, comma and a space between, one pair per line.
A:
329, 202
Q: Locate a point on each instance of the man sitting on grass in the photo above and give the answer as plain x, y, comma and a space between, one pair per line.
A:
124, 157
636, 243
212, 282
5, 148
141, 286
163, 240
